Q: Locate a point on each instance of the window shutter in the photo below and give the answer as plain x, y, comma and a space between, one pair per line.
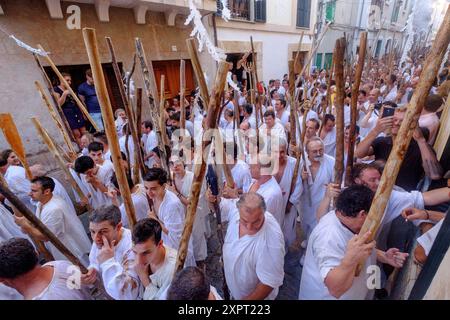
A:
260, 10
303, 13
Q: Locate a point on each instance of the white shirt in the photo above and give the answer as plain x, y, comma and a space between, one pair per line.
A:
326, 248
273, 196
140, 203
284, 117
427, 239
252, 259
330, 143
63, 222
150, 144
162, 278
18, 183
104, 175
58, 288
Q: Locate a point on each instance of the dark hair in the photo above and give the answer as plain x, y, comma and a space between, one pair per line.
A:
248, 108
95, 147
45, 182
156, 174
327, 117
89, 72
5, 154
106, 213
354, 199
101, 135
358, 168
3, 162
175, 116
363, 92
115, 182
356, 128
17, 257
283, 102
433, 103
148, 124
323, 86
269, 113
316, 122
145, 229
393, 77
189, 283
83, 164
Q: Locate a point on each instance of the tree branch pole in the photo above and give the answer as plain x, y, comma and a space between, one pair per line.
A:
254, 63
354, 107
193, 53
293, 113
13, 138
200, 166
151, 91
90, 41
59, 159
55, 102
72, 93
339, 53
52, 112
299, 48
405, 133
132, 125
182, 92
330, 79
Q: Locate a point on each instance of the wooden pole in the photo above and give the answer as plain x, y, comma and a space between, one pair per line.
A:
59, 159
90, 41
297, 54
200, 167
405, 133
132, 125
151, 91
139, 110
354, 107
55, 102
13, 138
182, 90
72, 93
293, 114
255, 66
193, 53
339, 53
52, 112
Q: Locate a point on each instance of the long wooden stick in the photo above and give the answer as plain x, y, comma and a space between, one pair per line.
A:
405, 133
297, 54
255, 66
182, 91
132, 125
55, 101
339, 53
354, 107
198, 71
200, 167
72, 93
13, 138
151, 91
293, 114
59, 159
90, 41
52, 112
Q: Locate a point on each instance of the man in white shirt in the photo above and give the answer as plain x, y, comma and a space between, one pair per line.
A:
281, 112
59, 217
390, 92
20, 270
271, 131
168, 210
101, 137
253, 252
150, 142
96, 180
335, 248
105, 226
17, 181
328, 134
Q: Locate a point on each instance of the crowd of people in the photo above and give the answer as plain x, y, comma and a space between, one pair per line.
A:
262, 210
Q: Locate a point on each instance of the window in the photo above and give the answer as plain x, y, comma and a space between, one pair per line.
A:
329, 11
303, 13
328, 60
378, 49
318, 63
240, 9
395, 12
260, 10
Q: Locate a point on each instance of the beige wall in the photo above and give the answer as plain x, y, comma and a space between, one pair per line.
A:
30, 22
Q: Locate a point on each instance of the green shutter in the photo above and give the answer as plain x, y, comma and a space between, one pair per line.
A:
328, 59
330, 10
318, 63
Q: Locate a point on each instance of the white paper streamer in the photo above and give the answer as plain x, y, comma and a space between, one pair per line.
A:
27, 47
226, 13
232, 83
201, 34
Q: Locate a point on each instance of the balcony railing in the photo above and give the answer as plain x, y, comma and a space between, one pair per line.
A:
240, 9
